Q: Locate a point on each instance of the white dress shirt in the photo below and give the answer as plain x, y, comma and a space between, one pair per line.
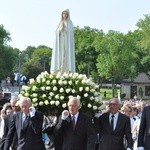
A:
75, 117
115, 119
2, 124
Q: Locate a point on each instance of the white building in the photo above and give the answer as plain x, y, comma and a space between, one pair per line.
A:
139, 87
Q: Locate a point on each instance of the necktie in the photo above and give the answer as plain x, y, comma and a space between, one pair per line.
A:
73, 122
112, 122
25, 123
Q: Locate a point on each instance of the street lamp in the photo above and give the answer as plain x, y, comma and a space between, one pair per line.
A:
19, 67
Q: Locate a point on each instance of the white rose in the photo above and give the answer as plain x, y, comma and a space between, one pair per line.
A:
80, 89
31, 81
48, 82
71, 74
60, 82
34, 94
70, 82
52, 102
78, 97
27, 88
83, 81
65, 82
48, 88
77, 82
58, 75
91, 98
46, 102
43, 88
54, 81
87, 89
64, 105
35, 104
57, 103
54, 88
34, 100
61, 90
43, 80
68, 90
34, 88
51, 94
97, 99
26, 94
38, 80
89, 105
49, 97
96, 93
75, 75
86, 95
73, 91
70, 96
44, 95
23, 87
80, 76
66, 75
94, 107
51, 76
61, 97
41, 103
92, 90
57, 96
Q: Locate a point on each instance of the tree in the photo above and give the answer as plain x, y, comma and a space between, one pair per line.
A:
116, 59
144, 42
39, 61
8, 55
86, 53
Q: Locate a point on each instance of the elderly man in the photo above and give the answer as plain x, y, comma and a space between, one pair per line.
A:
28, 126
114, 126
77, 129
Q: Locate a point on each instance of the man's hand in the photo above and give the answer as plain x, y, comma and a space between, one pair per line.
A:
65, 114
32, 111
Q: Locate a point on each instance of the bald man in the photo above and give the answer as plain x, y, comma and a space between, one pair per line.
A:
28, 126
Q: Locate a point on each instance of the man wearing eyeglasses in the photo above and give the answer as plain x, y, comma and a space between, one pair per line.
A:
114, 127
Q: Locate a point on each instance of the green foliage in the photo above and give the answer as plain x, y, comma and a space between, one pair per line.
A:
35, 60
86, 54
144, 43
7, 53
114, 55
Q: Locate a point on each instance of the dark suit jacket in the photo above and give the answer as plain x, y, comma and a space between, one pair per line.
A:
114, 140
6, 127
29, 139
7, 120
81, 138
144, 130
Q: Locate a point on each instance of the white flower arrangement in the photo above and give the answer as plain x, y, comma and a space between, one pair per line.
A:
51, 92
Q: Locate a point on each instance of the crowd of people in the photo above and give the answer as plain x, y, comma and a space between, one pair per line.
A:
118, 126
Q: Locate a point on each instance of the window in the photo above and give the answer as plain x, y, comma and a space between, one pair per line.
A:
147, 90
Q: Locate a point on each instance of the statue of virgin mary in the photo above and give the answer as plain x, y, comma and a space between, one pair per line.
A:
63, 54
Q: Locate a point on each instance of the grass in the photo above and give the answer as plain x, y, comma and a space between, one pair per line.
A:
108, 93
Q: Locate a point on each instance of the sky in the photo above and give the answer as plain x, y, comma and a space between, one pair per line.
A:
33, 22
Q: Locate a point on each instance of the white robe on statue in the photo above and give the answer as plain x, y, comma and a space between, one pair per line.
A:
63, 54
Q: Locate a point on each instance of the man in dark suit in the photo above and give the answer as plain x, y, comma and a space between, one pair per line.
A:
144, 130
76, 128
114, 127
28, 126
8, 111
